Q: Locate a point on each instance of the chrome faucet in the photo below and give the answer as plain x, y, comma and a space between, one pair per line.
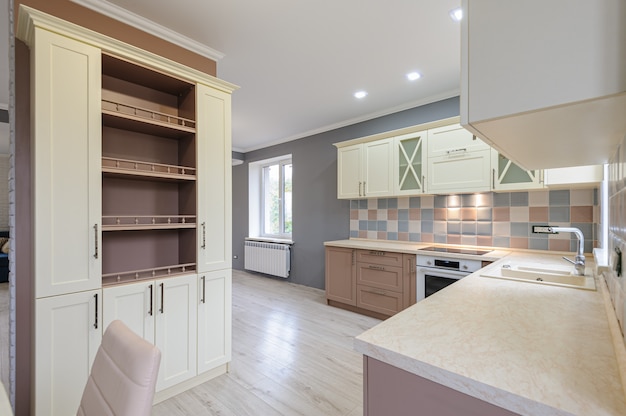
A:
579, 260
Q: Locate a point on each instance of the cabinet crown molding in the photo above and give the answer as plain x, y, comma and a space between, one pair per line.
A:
29, 19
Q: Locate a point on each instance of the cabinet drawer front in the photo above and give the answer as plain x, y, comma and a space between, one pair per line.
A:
470, 173
453, 140
383, 277
379, 300
383, 258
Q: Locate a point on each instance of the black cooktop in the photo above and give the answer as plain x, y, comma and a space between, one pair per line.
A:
455, 250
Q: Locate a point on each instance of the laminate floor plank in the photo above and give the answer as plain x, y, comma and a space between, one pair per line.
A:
292, 355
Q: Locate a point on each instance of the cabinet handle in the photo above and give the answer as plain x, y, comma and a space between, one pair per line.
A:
95, 229
364, 194
150, 312
353, 257
203, 246
376, 267
95, 324
359, 188
377, 291
203, 300
493, 179
162, 308
453, 151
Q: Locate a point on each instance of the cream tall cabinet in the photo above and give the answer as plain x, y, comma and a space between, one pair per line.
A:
131, 200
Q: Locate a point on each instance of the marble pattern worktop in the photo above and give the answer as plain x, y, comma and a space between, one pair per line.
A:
530, 348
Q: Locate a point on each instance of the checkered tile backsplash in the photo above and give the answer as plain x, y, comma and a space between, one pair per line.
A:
488, 219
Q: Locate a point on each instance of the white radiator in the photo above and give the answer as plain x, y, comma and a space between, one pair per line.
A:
268, 258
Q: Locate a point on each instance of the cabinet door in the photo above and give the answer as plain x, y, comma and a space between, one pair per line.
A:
377, 168
175, 329
453, 141
341, 275
66, 160
133, 304
214, 212
506, 175
409, 169
68, 332
214, 319
462, 174
349, 165
379, 300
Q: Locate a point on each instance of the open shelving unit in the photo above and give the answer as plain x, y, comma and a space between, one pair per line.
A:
149, 177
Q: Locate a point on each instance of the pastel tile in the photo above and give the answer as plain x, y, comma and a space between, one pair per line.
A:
468, 214
519, 199
484, 241
415, 214
372, 214
558, 214
381, 226
502, 199
469, 240
392, 236
468, 200
414, 237
582, 196
502, 213
538, 214
484, 200
403, 214
440, 201
427, 201
484, 214
454, 214
392, 214
559, 198
441, 238
538, 198
519, 242
454, 201
402, 236
519, 229
440, 227
382, 235
392, 226
468, 228
581, 213
501, 229
454, 239
440, 214
354, 214
520, 214
372, 204
403, 203
428, 237
415, 227
415, 202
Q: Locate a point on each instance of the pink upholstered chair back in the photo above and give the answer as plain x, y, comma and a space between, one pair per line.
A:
123, 376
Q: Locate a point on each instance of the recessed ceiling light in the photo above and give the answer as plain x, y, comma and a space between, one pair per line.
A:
456, 14
360, 94
412, 76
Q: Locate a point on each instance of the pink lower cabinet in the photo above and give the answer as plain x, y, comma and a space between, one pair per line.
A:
389, 390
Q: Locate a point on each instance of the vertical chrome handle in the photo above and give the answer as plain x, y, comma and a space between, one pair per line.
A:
359, 188
203, 246
151, 296
493, 179
364, 194
95, 324
353, 257
95, 229
162, 308
203, 300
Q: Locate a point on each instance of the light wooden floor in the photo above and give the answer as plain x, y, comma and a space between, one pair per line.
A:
292, 355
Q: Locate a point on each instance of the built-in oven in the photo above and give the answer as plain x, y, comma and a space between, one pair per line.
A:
434, 273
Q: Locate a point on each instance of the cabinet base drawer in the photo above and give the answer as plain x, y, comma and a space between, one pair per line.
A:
383, 277
383, 258
379, 300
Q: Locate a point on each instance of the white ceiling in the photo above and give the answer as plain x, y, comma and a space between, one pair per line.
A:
298, 63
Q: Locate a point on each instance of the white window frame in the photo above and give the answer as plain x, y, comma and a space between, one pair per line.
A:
255, 198
281, 196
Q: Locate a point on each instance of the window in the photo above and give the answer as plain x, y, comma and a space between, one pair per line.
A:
269, 198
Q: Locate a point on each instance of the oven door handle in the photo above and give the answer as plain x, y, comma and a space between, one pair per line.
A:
452, 274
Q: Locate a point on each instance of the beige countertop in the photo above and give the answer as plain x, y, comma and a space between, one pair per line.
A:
414, 248
529, 348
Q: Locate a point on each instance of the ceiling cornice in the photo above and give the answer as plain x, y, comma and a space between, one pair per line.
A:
122, 15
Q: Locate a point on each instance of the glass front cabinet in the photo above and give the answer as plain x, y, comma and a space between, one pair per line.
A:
509, 176
410, 155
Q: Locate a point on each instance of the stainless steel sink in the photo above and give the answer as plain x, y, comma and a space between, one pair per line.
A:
554, 275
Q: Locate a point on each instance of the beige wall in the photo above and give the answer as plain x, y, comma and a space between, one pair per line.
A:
4, 192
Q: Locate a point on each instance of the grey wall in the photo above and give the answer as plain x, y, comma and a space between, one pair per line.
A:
318, 215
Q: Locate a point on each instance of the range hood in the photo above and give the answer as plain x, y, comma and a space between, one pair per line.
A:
547, 89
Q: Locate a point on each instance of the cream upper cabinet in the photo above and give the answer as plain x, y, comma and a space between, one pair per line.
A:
545, 82
214, 319
67, 336
349, 161
458, 162
364, 170
409, 163
578, 176
506, 175
214, 179
65, 81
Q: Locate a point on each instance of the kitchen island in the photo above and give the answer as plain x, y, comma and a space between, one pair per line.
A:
522, 348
